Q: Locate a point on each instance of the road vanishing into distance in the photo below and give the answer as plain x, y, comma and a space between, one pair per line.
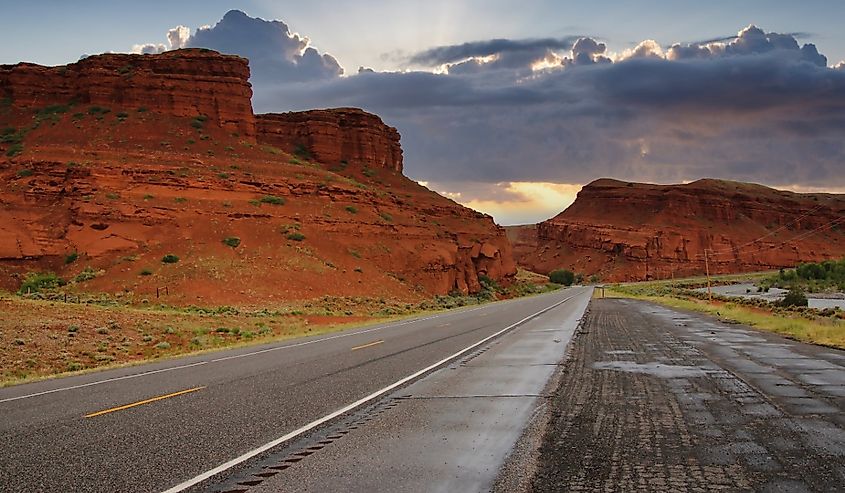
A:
463, 382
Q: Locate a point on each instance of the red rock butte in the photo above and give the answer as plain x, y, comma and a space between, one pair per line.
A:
622, 231
118, 160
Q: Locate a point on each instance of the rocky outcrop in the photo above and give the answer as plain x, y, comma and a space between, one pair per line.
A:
629, 231
182, 83
115, 192
335, 137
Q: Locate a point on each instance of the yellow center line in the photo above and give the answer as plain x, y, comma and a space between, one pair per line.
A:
140, 403
376, 343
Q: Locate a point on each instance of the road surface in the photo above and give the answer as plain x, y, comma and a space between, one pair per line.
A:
194, 423
655, 399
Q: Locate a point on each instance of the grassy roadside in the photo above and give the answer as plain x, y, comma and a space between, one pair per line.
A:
41, 339
825, 331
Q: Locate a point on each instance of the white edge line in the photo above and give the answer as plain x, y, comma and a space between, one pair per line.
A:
98, 382
226, 358
293, 434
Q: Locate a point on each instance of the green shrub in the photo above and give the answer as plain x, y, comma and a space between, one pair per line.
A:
795, 297
24, 173
86, 275
272, 199
232, 241
295, 236
98, 110
35, 282
387, 217
562, 276
146, 272
14, 150
351, 209
163, 345
302, 152
169, 259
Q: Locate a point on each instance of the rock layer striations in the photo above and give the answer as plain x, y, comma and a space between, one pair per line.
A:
630, 231
111, 163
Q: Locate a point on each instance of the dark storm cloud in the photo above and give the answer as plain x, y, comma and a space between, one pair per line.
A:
756, 107
458, 53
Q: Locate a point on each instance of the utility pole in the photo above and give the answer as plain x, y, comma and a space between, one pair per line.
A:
707, 269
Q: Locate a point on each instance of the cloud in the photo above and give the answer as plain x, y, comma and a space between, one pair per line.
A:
451, 54
754, 107
750, 41
276, 54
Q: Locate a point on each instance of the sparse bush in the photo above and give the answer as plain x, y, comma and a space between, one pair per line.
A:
795, 297
232, 241
112, 196
351, 209
75, 366
180, 200
86, 275
295, 236
272, 199
387, 217
40, 281
302, 152
369, 173
146, 272
14, 150
71, 258
24, 173
163, 345
169, 259
562, 276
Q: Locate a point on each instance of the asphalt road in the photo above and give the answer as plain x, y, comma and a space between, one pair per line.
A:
655, 399
158, 426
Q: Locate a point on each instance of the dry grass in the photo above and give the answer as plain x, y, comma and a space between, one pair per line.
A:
826, 331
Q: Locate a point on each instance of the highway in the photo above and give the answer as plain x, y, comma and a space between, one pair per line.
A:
191, 423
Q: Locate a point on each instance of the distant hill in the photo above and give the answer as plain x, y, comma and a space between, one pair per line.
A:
623, 231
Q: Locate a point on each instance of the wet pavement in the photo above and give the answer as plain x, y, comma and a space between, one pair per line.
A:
449, 431
654, 399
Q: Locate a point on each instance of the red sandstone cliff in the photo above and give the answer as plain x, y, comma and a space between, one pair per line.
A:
184, 83
113, 164
630, 231
335, 137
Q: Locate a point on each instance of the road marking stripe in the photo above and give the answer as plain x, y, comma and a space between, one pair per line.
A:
376, 343
226, 358
310, 426
98, 382
253, 353
140, 403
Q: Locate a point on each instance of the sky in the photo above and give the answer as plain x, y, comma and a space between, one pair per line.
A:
510, 107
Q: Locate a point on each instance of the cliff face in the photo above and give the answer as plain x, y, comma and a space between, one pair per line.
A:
117, 191
183, 83
335, 137
620, 231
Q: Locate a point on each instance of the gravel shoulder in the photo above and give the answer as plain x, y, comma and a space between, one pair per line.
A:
655, 399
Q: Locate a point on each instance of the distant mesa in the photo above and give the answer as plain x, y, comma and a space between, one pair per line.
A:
620, 231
